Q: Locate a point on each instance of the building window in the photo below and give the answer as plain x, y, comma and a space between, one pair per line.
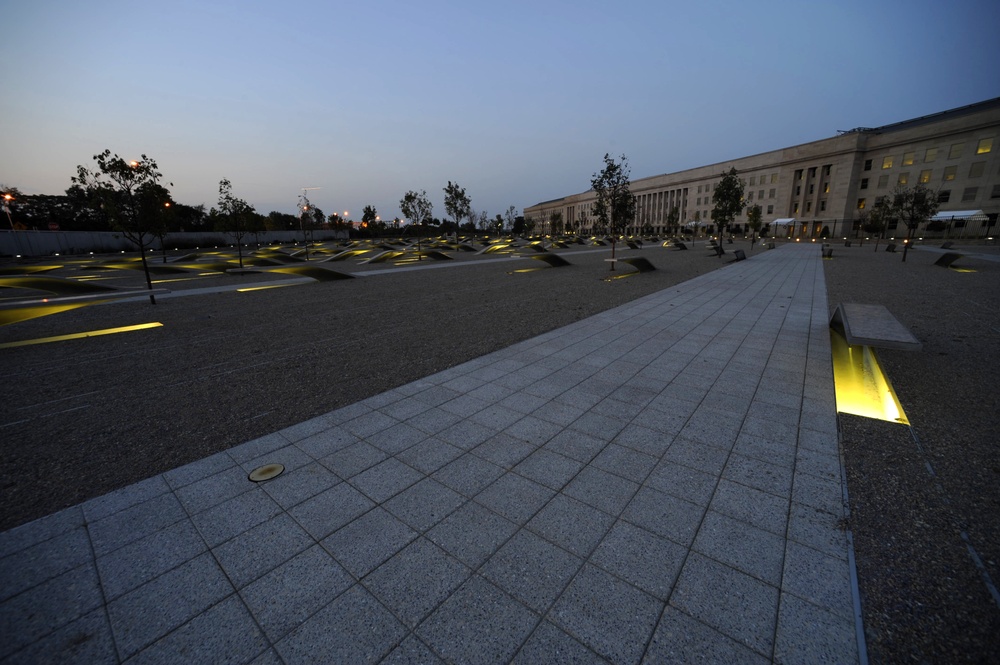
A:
995, 194
760, 194
798, 190
930, 155
925, 176
861, 204
887, 162
883, 181
868, 165
985, 146
956, 151
949, 172
753, 180
822, 206
798, 174
944, 195
812, 171
795, 208
770, 193
969, 194
809, 206
826, 169
903, 179
770, 209
812, 188
826, 188
864, 183
977, 169
907, 158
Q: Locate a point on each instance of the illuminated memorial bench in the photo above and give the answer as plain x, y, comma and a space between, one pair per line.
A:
873, 325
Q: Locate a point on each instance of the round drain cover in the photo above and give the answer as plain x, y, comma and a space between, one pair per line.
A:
266, 472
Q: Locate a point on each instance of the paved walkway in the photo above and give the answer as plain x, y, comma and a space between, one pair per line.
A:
660, 482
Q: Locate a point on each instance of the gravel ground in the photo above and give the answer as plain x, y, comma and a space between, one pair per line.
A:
915, 491
83, 417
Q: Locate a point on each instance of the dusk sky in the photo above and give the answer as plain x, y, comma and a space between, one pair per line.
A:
515, 101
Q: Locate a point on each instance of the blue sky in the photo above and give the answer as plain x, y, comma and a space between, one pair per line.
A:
515, 101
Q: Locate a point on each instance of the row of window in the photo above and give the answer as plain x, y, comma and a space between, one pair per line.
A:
983, 147
969, 194
976, 170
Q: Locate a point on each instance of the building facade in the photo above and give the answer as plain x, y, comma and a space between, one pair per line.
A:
828, 184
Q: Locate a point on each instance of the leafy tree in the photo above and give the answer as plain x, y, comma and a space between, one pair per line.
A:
754, 214
728, 200
555, 223
368, 218
509, 218
122, 189
877, 220
236, 217
416, 207
280, 221
498, 223
456, 203
913, 206
615, 204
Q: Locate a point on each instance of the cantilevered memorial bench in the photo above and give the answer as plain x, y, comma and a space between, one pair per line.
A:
873, 325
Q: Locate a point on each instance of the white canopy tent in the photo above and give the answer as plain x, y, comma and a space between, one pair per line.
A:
784, 221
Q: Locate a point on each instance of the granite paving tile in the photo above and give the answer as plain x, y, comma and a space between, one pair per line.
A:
608, 615
683, 482
326, 442
548, 468
515, 497
354, 628
429, 455
385, 479
752, 472
328, 511
36, 564
479, 623
468, 475
424, 504
48, 606
504, 450
260, 549
368, 541
761, 509
747, 615
665, 515
602, 490
680, 639
625, 462
741, 546
550, 644
352, 460
126, 497
134, 523
285, 597
412, 652
641, 558
415, 580
818, 578
809, 634
146, 614
471, 534
40, 530
235, 516
143, 560
225, 633
571, 524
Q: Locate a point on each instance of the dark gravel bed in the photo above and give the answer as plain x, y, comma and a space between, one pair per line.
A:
87, 416
914, 492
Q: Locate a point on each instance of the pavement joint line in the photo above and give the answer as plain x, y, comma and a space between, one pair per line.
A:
711, 318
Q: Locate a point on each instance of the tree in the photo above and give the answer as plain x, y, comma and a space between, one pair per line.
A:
416, 207
555, 223
728, 200
236, 216
456, 203
368, 218
509, 218
913, 206
498, 223
121, 188
615, 204
877, 220
754, 222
